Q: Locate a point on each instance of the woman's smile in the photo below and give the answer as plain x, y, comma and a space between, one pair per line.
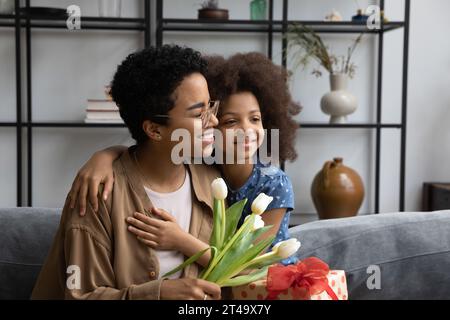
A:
207, 137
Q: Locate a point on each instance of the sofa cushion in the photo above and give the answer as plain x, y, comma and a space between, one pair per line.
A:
411, 250
26, 235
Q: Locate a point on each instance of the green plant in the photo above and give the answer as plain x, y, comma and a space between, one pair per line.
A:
210, 4
307, 45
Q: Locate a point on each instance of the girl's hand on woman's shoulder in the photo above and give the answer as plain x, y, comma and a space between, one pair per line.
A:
98, 170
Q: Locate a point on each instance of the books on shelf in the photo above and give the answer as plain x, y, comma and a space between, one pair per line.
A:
102, 111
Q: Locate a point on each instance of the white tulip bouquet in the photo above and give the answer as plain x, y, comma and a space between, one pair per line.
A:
236, 251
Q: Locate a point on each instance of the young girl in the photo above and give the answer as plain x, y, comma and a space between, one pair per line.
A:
254, 96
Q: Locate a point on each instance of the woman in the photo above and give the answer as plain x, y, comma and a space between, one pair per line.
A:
94, 257
254, 96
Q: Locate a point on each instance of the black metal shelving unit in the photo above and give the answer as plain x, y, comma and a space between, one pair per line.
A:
22, 21
270, 27
280, 27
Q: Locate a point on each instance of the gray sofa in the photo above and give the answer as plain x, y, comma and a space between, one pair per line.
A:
411, 250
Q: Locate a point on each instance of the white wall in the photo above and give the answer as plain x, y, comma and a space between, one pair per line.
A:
70, 67
429, 98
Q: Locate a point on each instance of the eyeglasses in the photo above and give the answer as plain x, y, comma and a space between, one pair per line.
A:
205, 115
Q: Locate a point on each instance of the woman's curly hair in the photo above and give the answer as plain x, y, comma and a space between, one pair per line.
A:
144, 83
255, 73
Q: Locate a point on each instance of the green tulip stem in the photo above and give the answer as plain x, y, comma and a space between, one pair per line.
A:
227, 247
252, 262
222, 227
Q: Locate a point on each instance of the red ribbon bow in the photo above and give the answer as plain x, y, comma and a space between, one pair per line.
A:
306, 278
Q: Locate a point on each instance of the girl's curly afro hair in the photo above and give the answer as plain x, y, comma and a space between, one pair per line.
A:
253, 72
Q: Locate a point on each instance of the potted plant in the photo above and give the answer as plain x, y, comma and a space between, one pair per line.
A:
308, 45
210, 10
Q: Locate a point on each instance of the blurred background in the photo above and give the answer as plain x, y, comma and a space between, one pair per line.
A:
48, 73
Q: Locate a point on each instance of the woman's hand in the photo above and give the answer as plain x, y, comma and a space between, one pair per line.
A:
158, 234
96, 171
189, 289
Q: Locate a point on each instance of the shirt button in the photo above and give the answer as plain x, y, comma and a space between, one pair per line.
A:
152, 274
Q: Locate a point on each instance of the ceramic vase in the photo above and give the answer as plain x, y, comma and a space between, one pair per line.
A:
337, 190
338, 103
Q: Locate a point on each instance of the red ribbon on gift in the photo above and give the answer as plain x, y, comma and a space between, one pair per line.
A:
306, 278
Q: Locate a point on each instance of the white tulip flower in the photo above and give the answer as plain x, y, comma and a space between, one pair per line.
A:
260, 204
287, 248
259, 222
219, 189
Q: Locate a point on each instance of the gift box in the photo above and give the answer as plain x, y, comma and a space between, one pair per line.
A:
309, 279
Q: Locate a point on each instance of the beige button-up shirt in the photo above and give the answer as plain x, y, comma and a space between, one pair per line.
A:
105, 258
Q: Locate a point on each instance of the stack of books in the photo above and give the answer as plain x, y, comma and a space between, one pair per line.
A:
102, 111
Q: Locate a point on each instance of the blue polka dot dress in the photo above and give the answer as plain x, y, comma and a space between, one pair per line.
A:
275, 183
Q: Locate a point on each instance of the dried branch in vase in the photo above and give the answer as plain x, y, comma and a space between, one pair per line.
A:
307, 45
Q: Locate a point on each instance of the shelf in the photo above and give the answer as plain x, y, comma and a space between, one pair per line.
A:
346, 26
214, 25
73, 125
351, 125
7, 16
59, 22
8, 124
7, 20
264, 26
68, 124
105, 23
25, 20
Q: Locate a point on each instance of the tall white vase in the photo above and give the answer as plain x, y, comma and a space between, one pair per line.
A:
339, 102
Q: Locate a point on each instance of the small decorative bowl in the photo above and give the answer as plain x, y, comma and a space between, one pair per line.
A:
213, 14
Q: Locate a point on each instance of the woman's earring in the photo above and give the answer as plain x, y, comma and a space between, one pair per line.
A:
158, 137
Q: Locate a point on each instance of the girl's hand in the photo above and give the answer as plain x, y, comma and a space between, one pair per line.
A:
158, 234
96, 171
